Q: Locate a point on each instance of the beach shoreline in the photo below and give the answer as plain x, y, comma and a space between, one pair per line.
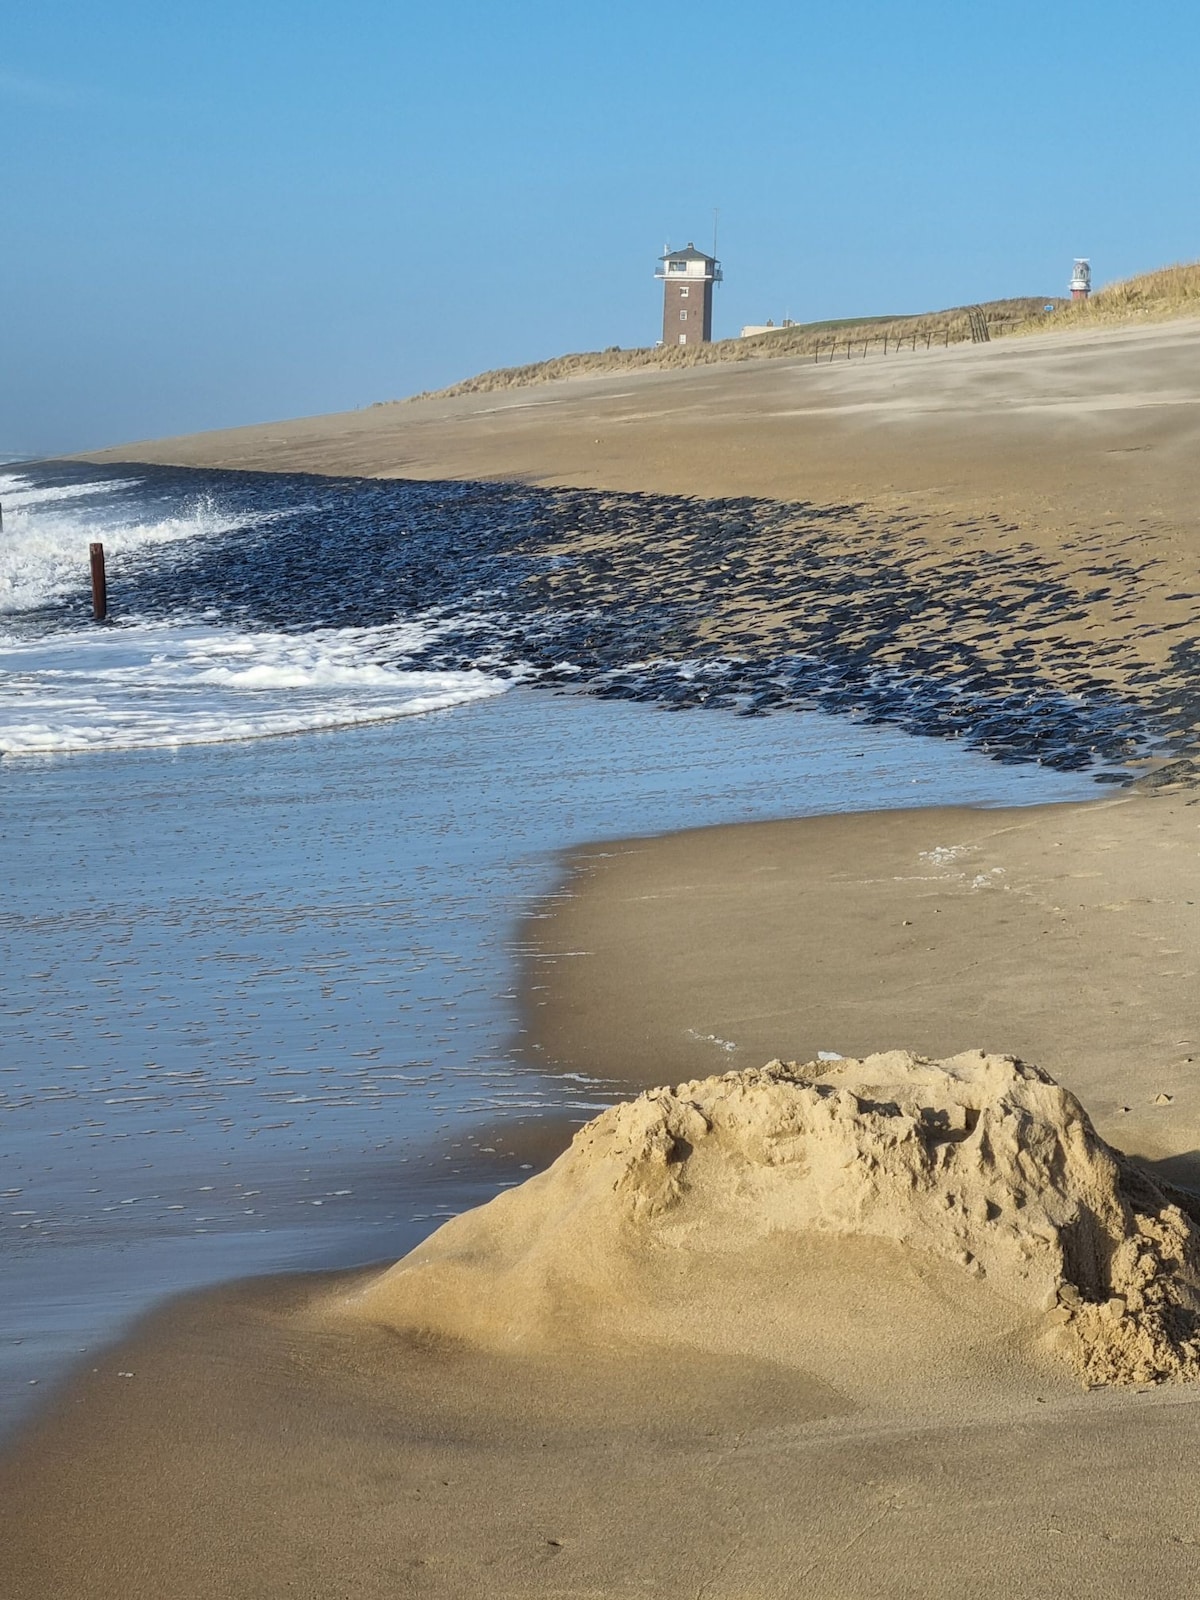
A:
255, 1440
1052, 479
335, 1050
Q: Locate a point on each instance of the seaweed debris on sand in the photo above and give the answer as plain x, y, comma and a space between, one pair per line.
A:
654, 1222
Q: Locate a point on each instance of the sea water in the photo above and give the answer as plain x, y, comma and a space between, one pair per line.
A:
262, 882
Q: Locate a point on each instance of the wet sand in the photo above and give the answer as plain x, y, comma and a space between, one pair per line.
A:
1068, 935
249, 1456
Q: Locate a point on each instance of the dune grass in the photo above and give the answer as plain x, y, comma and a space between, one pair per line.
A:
1151, 296
1170, 292
817, 339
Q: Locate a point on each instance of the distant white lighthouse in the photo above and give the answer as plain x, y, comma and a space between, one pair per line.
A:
1081, 279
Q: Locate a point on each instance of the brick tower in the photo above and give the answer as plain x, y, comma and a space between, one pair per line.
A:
688, 277
1081, 279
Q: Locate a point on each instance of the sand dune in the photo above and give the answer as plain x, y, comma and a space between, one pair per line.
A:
671, 1217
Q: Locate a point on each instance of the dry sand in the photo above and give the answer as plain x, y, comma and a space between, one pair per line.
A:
913, 1437
1061, 431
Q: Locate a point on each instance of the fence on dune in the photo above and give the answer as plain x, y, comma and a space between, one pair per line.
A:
976, 327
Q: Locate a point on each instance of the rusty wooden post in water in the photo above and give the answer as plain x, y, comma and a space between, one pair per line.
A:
99, 584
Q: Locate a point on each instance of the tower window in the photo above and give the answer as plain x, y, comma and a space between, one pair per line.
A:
683, 293
683, 316
683, 338
676, 266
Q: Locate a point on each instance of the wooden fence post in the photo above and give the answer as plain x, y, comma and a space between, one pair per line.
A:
99, 584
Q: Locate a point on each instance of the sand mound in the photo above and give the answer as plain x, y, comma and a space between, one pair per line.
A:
981, 1163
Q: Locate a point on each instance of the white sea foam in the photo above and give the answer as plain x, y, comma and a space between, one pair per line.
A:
142, 684
19, 493
44, 549
153, 685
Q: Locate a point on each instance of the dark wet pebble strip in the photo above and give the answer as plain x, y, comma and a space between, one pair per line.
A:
745, 605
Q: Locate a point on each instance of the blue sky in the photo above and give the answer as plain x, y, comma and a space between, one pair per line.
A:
227, 213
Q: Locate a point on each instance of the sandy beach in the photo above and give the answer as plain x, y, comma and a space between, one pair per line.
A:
555, 1399
923, 1441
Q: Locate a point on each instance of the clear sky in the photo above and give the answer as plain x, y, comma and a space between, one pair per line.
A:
222, 213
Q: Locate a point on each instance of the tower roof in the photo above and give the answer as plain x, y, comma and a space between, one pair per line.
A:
690, 254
